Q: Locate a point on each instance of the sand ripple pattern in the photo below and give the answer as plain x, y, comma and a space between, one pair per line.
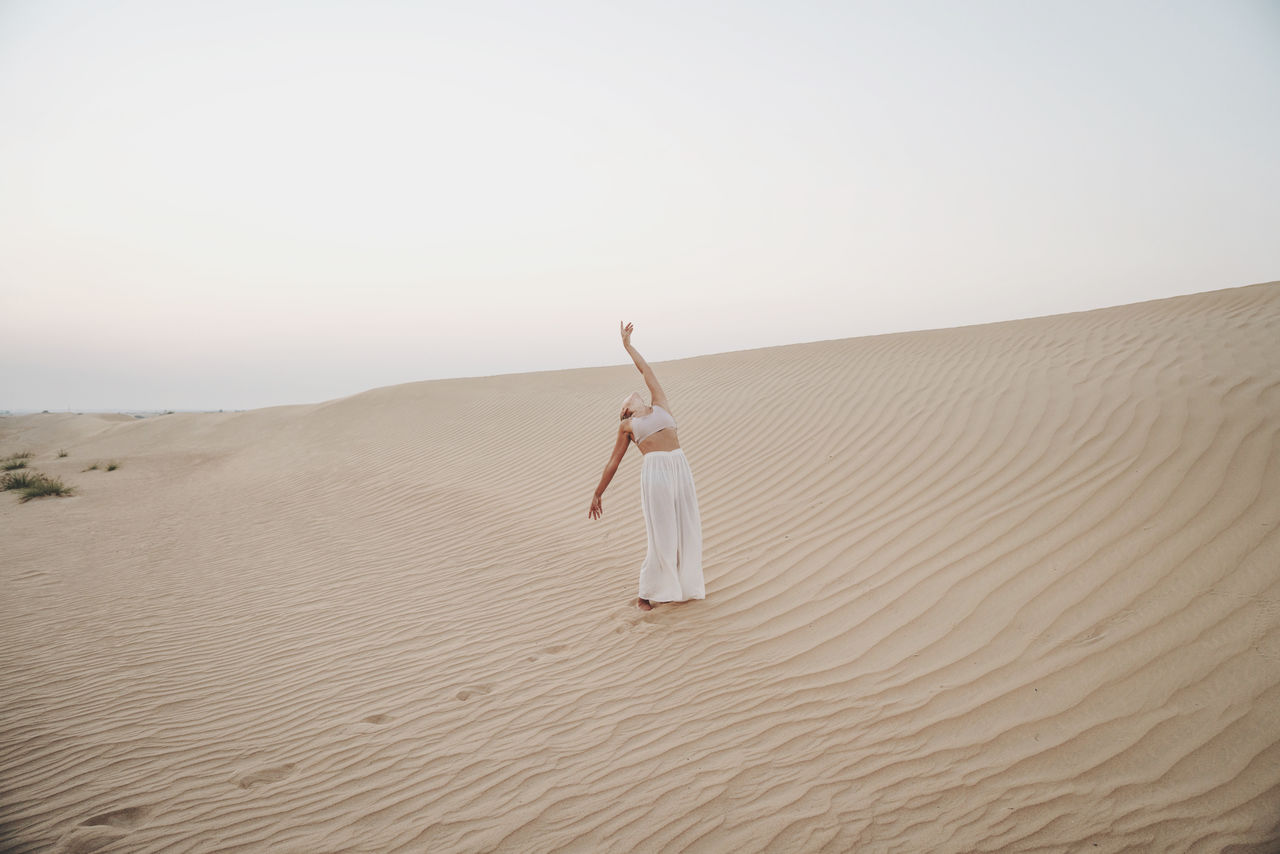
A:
1007, 588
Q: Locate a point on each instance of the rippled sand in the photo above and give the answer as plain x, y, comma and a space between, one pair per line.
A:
1013, 587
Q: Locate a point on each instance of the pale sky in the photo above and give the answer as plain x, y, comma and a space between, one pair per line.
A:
241, 204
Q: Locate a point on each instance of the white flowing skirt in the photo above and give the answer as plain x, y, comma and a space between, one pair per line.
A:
672, 569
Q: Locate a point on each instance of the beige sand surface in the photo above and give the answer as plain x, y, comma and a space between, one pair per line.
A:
1013, 587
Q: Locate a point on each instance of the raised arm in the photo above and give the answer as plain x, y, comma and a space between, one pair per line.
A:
619, 448
657, 396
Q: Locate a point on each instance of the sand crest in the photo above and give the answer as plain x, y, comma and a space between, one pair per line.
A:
1012, 587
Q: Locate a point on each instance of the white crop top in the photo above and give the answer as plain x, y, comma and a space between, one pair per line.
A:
644, 426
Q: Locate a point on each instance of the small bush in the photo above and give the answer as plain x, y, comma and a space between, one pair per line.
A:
33, 484
62, 453
93, 467
113, 465
10, 465
19, 480
24, 455
44, 486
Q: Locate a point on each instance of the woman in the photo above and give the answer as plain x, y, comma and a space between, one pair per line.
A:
672, 569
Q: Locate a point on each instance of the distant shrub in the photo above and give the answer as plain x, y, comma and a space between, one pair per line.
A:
62, 452
43, 486
17, 460
18, 480
113, 465
93, 467
33, 484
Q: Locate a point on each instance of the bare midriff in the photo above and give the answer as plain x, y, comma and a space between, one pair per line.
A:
663, 440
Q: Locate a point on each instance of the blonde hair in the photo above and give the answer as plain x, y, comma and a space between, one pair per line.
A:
626, 400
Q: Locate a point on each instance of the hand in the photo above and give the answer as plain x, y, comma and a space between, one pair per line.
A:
597, 509
626, 333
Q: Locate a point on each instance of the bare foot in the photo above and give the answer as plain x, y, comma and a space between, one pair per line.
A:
643, 605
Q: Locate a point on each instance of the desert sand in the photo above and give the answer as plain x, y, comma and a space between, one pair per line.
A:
1011, 587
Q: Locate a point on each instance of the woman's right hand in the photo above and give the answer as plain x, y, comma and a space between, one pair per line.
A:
597, 509
626, 334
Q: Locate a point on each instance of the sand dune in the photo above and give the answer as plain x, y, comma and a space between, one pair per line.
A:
1013, 587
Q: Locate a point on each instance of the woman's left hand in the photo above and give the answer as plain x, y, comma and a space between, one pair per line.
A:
626, 333
597, 509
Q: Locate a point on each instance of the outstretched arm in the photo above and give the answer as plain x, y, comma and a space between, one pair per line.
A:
656, 394
619, 448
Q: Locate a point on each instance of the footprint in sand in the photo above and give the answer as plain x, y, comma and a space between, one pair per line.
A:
370, 724
547, 651
473, 691
102, 830
83, 840
272, 774
628, 620
126, 817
